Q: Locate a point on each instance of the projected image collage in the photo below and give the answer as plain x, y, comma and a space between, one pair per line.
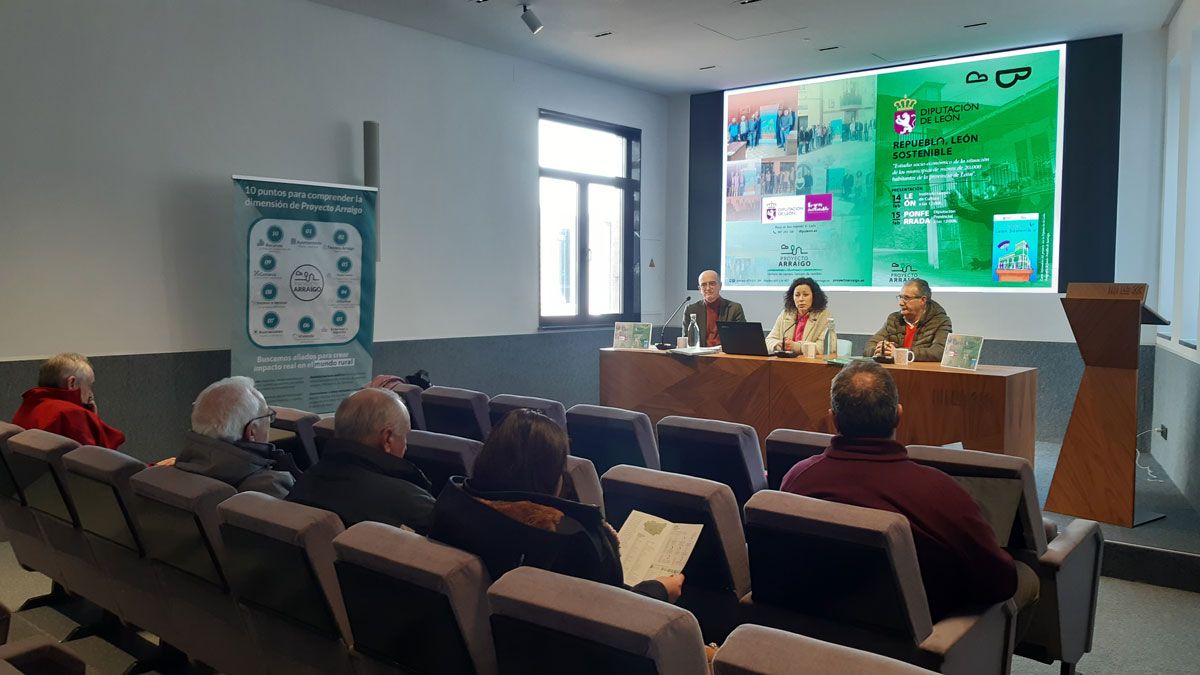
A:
945, 170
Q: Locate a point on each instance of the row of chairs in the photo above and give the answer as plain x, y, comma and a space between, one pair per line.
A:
248, 583
784, 533
729, 453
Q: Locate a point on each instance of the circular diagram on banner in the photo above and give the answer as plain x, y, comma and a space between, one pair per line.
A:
270, 320
275, 234
267, 262
339, 318
307, 283
308, 231
269, 291
305, 325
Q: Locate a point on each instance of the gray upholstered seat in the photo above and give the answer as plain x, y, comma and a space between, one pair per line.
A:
177, 513
1068, 566
36, 460
28, 542
502, 404
722, 451
585, 484
279, 563
758, 650
414, 605
718, 573
301, 445
40, 655
99, 480
849, 575
785, 447
440, 456
410, 394
611, 436
546, 623
458, 412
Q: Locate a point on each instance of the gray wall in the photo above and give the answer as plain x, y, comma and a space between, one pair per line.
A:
1177, 405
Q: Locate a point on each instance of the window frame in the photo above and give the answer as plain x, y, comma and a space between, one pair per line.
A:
630, 183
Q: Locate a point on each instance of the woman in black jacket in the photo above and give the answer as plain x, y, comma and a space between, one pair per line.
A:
509, 513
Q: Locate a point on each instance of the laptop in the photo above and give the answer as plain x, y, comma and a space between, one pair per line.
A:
740, 337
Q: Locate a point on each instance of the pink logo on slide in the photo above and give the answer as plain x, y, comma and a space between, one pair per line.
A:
818, 207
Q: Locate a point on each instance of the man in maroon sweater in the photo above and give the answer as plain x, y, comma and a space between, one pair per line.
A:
961, 563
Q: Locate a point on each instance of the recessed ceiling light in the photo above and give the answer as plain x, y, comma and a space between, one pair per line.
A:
975, 25
748, 2
604, 34
827, 49
480, 2
711, 67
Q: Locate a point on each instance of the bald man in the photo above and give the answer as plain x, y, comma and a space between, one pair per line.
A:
362, 474
712, 308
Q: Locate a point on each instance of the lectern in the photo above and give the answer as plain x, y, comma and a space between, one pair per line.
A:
1095, 473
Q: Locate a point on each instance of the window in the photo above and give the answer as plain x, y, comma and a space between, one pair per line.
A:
589, 191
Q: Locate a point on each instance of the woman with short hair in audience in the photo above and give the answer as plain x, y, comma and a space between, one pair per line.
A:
805, 318
510, 512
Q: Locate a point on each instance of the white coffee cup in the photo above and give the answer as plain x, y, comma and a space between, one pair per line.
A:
681, 342
809, 349
902, 357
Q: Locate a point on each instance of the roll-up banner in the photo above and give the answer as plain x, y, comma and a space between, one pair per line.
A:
304, 289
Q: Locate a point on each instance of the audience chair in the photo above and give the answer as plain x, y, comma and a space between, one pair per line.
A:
414, 605
440, 456
39, 656
546, 623
23, 532
5, 619
410, 394
177, 512
758, 650
722, 451
849, 575
786, 447
322, 431
36, 460
1068, 566
279, 561
717, 575
458, 412
611, 436
301, 444
502, 404
584, 484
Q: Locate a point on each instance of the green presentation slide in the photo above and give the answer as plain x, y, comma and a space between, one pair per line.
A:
948, 171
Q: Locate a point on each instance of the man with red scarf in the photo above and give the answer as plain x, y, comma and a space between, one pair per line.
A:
65, 404
711, 309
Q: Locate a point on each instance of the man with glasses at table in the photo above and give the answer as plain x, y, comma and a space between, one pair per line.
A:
711, 309
230, 427
920, 326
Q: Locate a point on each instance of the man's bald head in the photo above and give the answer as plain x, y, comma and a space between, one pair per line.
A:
375, 418
864, 401
710, 285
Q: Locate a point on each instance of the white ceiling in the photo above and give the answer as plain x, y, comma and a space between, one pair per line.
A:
660, 45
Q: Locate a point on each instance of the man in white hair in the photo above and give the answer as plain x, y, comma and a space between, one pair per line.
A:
64, 403
362, 474
231, 425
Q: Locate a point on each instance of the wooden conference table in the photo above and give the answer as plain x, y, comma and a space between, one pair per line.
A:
992, 408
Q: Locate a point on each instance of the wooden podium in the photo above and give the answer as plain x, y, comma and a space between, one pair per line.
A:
1095, 473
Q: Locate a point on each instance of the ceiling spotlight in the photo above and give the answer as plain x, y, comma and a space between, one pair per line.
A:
531, 20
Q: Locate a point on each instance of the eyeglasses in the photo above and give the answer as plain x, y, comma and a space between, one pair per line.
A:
908, 298
271, 415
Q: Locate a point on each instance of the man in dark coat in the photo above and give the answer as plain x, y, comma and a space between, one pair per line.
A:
362, 474
711, 309
921, 326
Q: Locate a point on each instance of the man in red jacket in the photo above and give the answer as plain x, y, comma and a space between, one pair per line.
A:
961, 562
64, 403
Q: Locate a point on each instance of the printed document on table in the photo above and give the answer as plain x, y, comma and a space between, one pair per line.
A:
652, 547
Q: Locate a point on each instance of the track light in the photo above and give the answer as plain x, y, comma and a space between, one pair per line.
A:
531, 20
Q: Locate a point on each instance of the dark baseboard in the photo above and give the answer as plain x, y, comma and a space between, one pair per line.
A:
1157, 566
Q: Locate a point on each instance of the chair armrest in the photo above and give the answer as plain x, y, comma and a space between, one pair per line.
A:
1051, 528
1082, 539
953, 630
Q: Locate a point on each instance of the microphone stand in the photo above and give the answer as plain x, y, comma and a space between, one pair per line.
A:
662, 334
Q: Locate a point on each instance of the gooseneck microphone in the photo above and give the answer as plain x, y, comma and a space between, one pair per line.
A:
662, 334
